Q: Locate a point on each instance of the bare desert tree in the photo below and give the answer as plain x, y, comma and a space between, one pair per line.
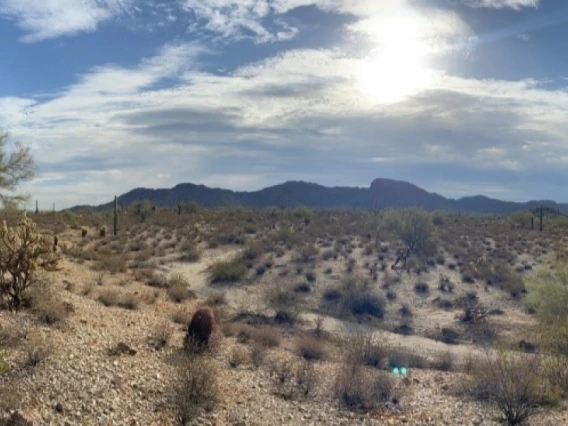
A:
16, 167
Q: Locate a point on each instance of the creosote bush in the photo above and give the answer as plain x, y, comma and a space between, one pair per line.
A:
512, 382
358, 388
197, 388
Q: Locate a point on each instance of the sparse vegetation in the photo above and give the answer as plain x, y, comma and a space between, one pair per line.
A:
230, 271
514, 384
197, 388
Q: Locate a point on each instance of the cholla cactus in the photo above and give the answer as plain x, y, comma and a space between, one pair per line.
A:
23, 253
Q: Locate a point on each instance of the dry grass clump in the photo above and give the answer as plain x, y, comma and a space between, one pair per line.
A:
10, 395
36, 351
189, 252
161, 335
114, 263
110, 297
181, 316
231, 271
359, 388
238, 356
364, 350
310, 348
294, 380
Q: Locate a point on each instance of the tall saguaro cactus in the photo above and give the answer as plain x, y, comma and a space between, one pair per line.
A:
115, 228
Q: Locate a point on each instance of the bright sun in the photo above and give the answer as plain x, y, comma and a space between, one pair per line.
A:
397, 68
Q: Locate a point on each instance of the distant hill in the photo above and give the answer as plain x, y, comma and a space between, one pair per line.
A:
381, 193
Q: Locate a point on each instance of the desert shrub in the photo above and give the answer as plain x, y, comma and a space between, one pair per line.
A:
11, 395
161, 335
283, 295
294, 380
51, 311
24, 252
267, 336
445, 285
521, 218
310, 348
244, 332
217, 298
501, 275
109, 297
36, 351
302, 288
177, 280
179, 293
512, 382
356, 388
253, 251
308, 253
197, 388
228, 271
189, 252
364, 350
448, 335
181, 316
365, 304
238, 356
112, 262
128, 301
445, 362
285, 317
414, 228
257, 354
406, 311
422, 288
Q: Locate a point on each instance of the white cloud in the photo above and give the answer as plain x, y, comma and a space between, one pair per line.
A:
48, 19
262, 19
117, 128
241, 18
500, 4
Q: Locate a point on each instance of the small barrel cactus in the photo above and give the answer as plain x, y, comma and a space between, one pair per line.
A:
200, 328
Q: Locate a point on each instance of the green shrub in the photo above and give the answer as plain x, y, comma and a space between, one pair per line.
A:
414, 227
548, 298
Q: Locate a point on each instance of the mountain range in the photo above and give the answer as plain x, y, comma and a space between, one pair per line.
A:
381, 193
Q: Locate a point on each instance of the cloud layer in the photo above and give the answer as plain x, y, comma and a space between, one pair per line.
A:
48, 19
302, 113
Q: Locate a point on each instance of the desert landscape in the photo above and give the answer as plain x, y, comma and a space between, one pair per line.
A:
332, 317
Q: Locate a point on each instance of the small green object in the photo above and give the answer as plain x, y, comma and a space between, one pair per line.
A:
395, 371
403, 371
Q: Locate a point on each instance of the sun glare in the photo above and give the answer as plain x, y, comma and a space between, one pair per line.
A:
396, 69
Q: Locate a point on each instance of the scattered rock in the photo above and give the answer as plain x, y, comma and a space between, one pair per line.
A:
121, 349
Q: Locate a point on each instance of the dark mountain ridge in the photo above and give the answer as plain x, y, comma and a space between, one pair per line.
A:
381, 193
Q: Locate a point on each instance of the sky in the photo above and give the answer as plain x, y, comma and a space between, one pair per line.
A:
460, 97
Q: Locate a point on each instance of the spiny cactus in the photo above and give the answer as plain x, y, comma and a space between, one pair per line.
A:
23, 253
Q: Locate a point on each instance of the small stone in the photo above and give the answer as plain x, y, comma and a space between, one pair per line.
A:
59, 407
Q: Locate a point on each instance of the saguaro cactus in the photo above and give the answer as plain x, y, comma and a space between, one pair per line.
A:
115, 228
